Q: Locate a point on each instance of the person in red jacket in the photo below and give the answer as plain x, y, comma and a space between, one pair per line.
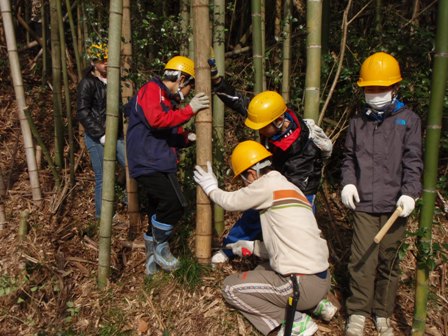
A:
153, 137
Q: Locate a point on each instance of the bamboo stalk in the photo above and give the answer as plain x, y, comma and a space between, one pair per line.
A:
23, 224
16, 75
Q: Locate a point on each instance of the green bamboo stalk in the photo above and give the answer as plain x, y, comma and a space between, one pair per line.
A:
378, 16
112, 121
431, 160
74, 39
44, 44
287, 17
185, 24
257, 48
56, 72
325, 25
218, 106
68, 105
313, 59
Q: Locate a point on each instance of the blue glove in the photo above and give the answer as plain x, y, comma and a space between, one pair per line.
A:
214, 73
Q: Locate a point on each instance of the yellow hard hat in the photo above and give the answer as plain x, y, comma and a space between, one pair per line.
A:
98, 51
181, 63
379, 69
264, 108
246, 154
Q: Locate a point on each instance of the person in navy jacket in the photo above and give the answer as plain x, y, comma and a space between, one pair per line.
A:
153, 137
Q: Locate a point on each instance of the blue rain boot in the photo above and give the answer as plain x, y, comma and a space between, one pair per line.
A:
150, 265
162, 254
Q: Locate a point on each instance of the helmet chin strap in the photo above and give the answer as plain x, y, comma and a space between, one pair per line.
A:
179, 88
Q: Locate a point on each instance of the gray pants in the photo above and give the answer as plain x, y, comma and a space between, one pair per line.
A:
261, 295
374, 268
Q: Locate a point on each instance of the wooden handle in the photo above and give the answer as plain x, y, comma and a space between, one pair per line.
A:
380, 235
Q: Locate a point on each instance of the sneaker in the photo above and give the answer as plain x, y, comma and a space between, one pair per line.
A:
304, 326
355, 325
219, 258
384, 326
325, 310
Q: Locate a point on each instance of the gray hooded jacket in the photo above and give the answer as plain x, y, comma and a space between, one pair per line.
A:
383, 159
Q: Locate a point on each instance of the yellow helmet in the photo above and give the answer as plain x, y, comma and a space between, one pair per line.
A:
264, 108
379, 69
246, 154
98, 51
181, 63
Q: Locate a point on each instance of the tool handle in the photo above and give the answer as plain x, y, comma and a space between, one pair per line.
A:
380, 235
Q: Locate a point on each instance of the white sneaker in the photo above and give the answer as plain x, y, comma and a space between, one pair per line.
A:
355, 325
219, 257
304, 326
325, 310
383, 326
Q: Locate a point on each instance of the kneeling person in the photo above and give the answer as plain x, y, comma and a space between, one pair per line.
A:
292, 244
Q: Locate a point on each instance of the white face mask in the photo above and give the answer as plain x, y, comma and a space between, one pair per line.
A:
378, 101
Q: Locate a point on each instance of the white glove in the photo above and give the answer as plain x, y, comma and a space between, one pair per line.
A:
407, 203
191, 137
103, 139
320, 139
199, 102
242, 248
349, 196
207, 180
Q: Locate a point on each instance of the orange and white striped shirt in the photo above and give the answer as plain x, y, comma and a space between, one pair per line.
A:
291, 236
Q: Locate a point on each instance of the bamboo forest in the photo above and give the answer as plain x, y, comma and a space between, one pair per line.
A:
213, 167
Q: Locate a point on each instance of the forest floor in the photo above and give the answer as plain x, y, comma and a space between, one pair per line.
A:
48, 279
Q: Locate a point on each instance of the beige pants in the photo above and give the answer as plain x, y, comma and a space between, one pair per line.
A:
261, 295
374, 268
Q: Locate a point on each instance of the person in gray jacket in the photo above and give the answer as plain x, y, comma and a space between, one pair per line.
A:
381, 170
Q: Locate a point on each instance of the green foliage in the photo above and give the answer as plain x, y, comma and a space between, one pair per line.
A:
190, 272
159, 38
8, 285
72, 311
431, 253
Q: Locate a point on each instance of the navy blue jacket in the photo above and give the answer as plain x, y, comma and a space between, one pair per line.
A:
154, 131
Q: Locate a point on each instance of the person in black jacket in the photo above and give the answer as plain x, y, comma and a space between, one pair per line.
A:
299, 147
91, 113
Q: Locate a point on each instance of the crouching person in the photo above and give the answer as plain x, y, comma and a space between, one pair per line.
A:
297, 254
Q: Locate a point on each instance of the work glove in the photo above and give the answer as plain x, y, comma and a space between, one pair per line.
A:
242, 248
191, 137
349, 196
103, 139
320, 139
206, 179
406, 203
199, 102
214, 73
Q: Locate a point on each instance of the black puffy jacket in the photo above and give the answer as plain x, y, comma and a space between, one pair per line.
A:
299, 160
91, 106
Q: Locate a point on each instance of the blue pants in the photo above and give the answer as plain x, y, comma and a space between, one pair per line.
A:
248, 227
96, 153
